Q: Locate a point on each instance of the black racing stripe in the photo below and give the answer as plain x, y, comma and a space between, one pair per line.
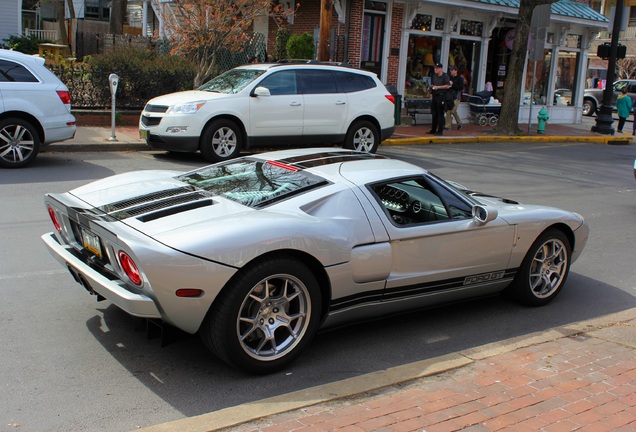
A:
404, 292
327, 158
352, 300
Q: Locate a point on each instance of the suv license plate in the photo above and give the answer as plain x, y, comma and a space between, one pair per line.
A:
143, 134
92, 242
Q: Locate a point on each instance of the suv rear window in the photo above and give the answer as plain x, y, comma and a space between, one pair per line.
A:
353, 82
15, 72
251, 182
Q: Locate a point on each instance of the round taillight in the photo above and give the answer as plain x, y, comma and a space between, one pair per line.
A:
53, 217
129, 267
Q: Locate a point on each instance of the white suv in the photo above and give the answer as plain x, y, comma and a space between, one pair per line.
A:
35, 108
272, 104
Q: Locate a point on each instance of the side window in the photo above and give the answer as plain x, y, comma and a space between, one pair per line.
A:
354, 82
280, 83
14, 72
414, 201
317, 82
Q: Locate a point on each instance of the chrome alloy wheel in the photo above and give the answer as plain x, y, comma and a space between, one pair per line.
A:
548, 268
16, 144
363, 140
274, 317
224, 142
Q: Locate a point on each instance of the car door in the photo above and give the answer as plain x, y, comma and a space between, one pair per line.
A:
325, 104
436, 246
281, 112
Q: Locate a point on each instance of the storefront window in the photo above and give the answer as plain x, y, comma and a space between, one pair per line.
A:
566, 77
537, 94
423, 53
465, 55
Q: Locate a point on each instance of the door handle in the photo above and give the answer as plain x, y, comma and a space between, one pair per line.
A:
294, 104
340, 103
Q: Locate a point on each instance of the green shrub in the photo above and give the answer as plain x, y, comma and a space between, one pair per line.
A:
24, 44
142, 75
282, 36
300, 47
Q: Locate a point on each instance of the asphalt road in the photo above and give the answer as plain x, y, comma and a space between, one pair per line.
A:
72, 364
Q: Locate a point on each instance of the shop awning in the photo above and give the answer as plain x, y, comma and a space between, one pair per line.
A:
564, 8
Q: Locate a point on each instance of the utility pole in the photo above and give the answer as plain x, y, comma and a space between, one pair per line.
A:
604, 118
325, 30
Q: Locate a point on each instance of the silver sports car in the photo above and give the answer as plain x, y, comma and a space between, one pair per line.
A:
257, 253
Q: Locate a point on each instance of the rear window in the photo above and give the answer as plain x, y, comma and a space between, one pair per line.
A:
353, 82
15, 72
251, 182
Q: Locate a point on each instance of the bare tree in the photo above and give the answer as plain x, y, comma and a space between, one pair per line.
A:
626, 68
508, 123
199, 29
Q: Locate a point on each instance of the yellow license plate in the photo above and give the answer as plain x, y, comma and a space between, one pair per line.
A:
143, 134
92, 242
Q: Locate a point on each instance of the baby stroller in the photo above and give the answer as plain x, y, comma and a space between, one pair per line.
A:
482, 111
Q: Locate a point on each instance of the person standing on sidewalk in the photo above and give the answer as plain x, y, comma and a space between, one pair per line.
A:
634, 109
624, 108
440, 83
456, 89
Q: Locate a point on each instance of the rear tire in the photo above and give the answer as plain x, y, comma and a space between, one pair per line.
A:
363, 136
589, 107
221, 140
265, 317
543, 271
19, 143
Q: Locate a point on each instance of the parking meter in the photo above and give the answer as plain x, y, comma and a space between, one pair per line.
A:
113, 81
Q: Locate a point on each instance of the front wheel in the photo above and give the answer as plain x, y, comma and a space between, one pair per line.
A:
589, 107
19, 143
363, 136
221, 140
543, 271
265, 317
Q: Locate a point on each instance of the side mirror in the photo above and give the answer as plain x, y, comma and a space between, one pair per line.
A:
261, 91
482, 215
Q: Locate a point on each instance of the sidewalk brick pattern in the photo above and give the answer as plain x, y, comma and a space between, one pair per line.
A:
577, 383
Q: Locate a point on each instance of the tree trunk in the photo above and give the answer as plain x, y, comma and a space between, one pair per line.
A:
117, 16
508, 123
325, 30
61, 21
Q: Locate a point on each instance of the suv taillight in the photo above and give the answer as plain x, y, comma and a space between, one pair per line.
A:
391, 98
65, 96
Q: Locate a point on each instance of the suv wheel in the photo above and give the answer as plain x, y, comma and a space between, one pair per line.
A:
363, 136
589, 107
221, 140
19, 143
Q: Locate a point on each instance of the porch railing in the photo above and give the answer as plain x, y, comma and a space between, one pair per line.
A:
629, 33
50, 35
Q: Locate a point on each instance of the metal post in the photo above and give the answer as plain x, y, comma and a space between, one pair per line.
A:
113, 81
604, 118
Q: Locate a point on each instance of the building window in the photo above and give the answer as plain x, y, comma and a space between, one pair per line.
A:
97, 9
537, 95
372, 42
465, 55
566, 77
471, 28
423, 53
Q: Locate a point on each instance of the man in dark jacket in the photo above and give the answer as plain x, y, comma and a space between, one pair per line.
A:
440, 83
456, 89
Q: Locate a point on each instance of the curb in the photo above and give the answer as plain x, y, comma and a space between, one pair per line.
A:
233, 416
503, 139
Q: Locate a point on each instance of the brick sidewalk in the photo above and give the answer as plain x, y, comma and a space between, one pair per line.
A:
580, 383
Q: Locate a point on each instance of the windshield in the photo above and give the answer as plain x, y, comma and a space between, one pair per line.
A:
232, 81
252, 182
